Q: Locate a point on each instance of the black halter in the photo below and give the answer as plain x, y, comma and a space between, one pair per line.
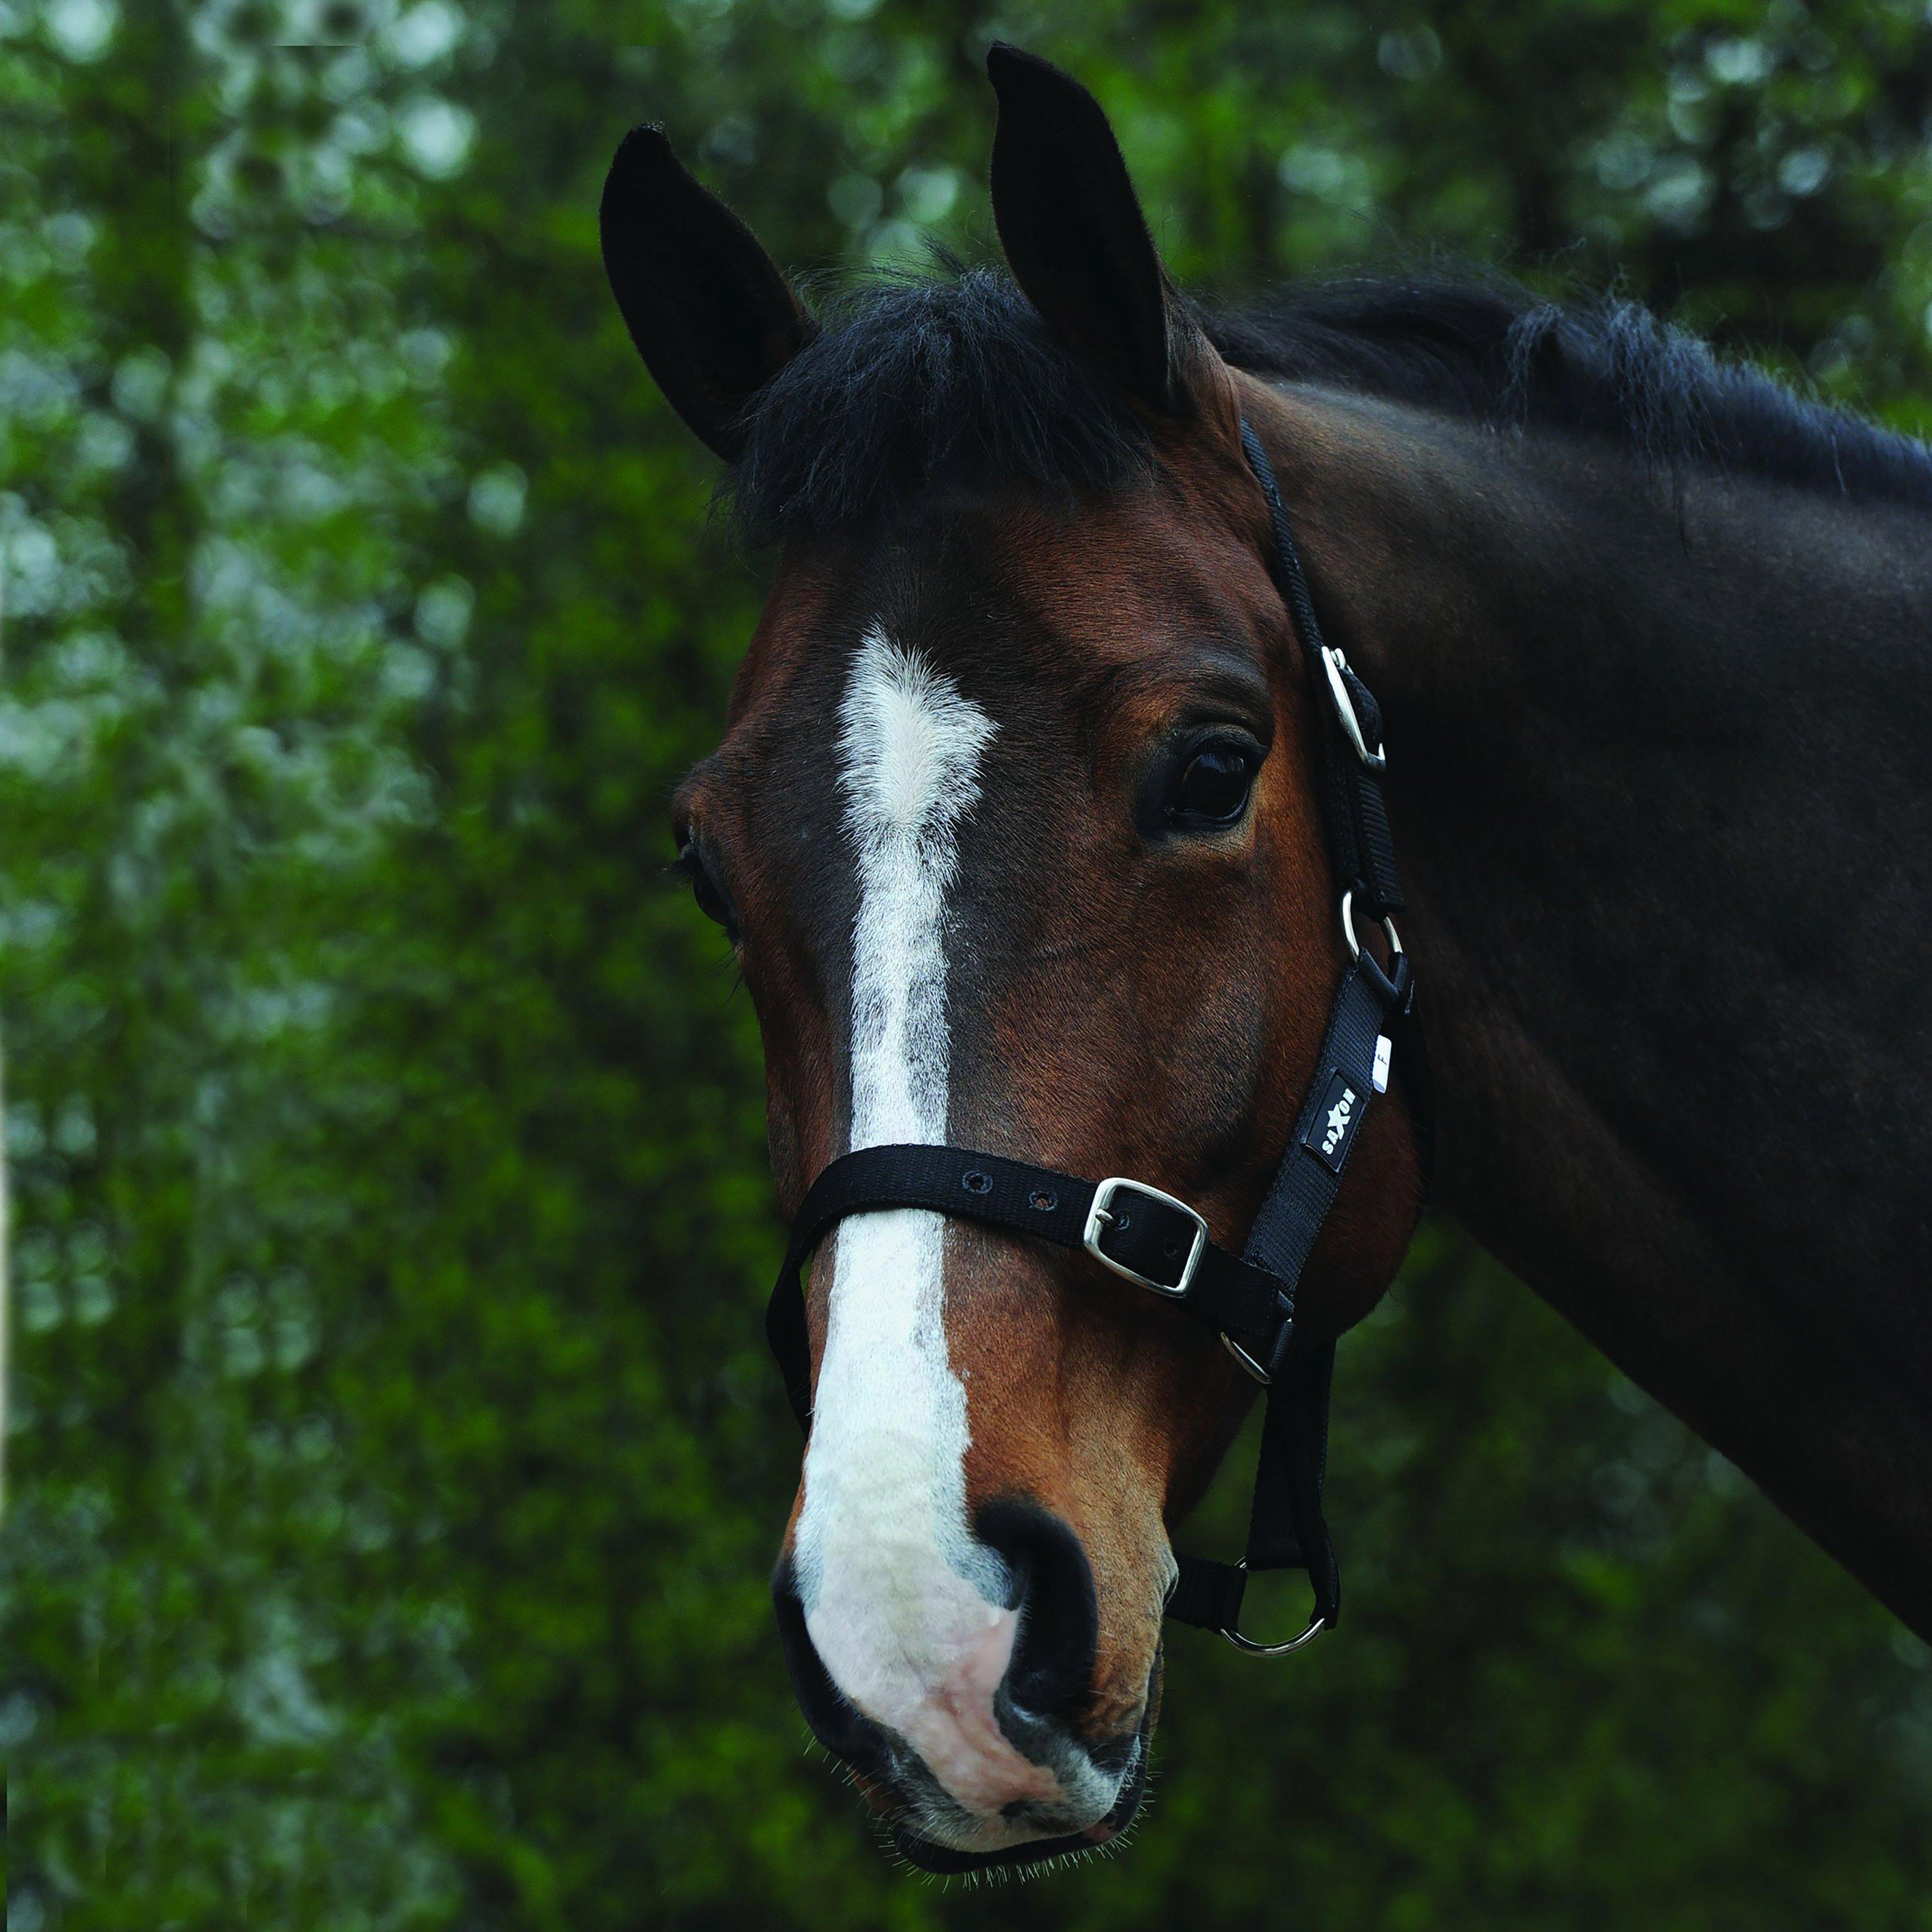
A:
1161, 1244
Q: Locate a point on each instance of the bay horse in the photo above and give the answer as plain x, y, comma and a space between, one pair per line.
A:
1015, 831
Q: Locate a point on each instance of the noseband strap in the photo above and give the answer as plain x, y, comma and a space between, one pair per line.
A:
1159, 1244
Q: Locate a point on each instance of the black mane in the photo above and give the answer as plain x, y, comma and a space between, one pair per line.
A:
954, 378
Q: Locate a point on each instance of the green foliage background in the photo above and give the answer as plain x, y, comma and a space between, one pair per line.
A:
394, 1468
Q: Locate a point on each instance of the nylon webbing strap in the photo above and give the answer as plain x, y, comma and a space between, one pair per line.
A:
1361, 848
1287, 1528
1306, 1182
1143, 1233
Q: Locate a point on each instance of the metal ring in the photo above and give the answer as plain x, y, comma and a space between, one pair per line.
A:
1349, 927
1317, 1624
1246, 1360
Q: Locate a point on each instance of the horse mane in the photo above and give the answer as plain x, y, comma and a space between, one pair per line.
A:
914, 382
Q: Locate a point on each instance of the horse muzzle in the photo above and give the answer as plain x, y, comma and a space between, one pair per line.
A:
969, 1720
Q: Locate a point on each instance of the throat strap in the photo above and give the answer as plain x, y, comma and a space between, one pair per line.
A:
1287, 1527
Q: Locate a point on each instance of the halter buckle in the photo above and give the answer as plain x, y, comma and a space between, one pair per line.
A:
1335, 664
1101, 1215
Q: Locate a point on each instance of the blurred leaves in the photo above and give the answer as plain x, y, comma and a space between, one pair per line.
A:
395, 1465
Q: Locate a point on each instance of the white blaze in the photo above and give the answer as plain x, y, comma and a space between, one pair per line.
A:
901, 1603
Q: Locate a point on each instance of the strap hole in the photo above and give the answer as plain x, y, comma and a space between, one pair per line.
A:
1043, 1200
975, 1182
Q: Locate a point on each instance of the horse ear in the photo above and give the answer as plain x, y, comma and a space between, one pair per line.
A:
1073, 231
712, 317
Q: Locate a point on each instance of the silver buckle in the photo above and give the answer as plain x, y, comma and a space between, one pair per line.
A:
1334, 663
1101, 1215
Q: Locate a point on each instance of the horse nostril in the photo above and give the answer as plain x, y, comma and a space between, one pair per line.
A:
1051, 1671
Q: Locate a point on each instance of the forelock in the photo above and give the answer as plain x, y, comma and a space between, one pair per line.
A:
918, 382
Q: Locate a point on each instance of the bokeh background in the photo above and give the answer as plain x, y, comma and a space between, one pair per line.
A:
394, 1466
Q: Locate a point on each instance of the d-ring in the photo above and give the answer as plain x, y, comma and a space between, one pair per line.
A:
1316, 1625
1349, 927
1246, 1360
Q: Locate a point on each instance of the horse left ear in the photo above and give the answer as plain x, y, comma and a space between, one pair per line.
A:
1074, 235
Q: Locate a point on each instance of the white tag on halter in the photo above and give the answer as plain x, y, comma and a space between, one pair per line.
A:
1385, 1047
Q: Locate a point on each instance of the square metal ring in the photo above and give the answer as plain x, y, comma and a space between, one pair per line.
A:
1100, 1214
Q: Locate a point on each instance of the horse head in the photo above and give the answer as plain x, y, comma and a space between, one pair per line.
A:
1015, 830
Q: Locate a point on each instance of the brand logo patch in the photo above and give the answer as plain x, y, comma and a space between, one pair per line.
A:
1332, 1129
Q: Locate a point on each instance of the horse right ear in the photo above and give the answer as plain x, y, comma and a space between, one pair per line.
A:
712, 317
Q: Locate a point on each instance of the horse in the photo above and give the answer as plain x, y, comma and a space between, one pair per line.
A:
1015, 831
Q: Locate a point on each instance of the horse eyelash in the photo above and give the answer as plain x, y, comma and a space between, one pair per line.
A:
688, 869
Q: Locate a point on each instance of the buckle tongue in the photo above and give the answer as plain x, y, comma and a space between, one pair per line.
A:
1101, 1214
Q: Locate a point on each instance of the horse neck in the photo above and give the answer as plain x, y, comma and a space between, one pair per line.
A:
1655, 778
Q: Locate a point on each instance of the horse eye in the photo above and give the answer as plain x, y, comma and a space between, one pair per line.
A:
704, 889
1213, 785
